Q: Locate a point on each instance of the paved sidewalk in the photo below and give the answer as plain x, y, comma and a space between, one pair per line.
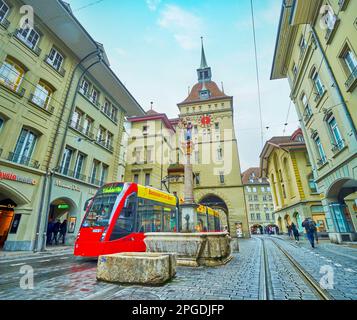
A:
5, 255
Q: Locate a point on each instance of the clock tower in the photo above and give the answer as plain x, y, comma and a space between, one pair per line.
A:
215, 158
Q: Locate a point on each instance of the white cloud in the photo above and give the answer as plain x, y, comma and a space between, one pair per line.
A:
185, 26
121, 52
153, 4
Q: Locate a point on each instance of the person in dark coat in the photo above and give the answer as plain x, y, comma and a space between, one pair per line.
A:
55, 231
50, 231
63, 231
295, 232
310, 228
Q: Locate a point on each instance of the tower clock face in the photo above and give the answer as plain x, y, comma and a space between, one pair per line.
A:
206, 121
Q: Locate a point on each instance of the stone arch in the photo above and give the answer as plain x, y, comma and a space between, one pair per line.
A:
14, 194
341, 216
57, 213
217, 201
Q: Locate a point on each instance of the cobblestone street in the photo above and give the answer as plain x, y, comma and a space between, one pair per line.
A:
61, 276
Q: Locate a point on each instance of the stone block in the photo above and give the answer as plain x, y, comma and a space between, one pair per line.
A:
192, 249
137, 268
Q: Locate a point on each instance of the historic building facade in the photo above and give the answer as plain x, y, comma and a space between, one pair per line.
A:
61, 118
285, 162
259, 200
316, 50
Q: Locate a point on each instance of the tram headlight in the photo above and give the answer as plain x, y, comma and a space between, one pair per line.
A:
103, 235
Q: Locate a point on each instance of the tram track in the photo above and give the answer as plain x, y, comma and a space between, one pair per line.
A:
266, 283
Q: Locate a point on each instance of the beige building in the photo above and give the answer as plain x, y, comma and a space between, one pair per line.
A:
285, 162
151, 149
259, 200
61, 118
316, 50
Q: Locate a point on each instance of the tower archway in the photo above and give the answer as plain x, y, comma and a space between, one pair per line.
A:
217, 203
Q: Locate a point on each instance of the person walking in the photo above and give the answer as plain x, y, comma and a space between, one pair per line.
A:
310, 228
295, 232
289, 231
49, 232
56, 229
63, 231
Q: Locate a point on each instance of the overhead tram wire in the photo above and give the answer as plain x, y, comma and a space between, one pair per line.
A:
257, 74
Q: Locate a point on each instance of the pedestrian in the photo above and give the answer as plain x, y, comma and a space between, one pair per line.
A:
317, 225
56, 229
295, 232
63, 231
289, 231
310, 228
49, 232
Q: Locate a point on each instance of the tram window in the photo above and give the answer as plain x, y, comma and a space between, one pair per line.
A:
125, 222
155, 217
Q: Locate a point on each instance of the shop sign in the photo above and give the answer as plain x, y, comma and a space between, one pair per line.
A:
73, 187
14, 177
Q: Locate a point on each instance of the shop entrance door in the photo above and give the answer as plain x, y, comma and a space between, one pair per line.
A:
6, 217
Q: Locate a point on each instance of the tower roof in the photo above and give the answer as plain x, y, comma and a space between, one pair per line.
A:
215, 92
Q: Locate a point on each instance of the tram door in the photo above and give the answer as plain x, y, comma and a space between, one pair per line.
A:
6, 216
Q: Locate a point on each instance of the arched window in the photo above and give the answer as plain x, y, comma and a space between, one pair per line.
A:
42, 94
12, 74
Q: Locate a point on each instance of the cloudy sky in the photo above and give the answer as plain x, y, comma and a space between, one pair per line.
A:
154, 47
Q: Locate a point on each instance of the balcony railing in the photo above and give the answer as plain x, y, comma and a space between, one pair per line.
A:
21, 159
60, 70
105, 145
94, 181
318, 96
351, 81
41, 103
5, 23
321, 162
27, 43
337, 147
6, 82
109, 115
307, 116
72, 174
85, 131
89, 97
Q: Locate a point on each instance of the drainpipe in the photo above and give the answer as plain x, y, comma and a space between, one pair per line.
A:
50, 173
349, 118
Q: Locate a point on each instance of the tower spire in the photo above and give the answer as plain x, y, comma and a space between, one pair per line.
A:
204, 64
204, 72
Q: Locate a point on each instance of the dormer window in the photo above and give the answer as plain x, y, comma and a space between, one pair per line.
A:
204, 94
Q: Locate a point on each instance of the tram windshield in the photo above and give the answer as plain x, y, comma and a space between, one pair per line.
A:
102, 208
